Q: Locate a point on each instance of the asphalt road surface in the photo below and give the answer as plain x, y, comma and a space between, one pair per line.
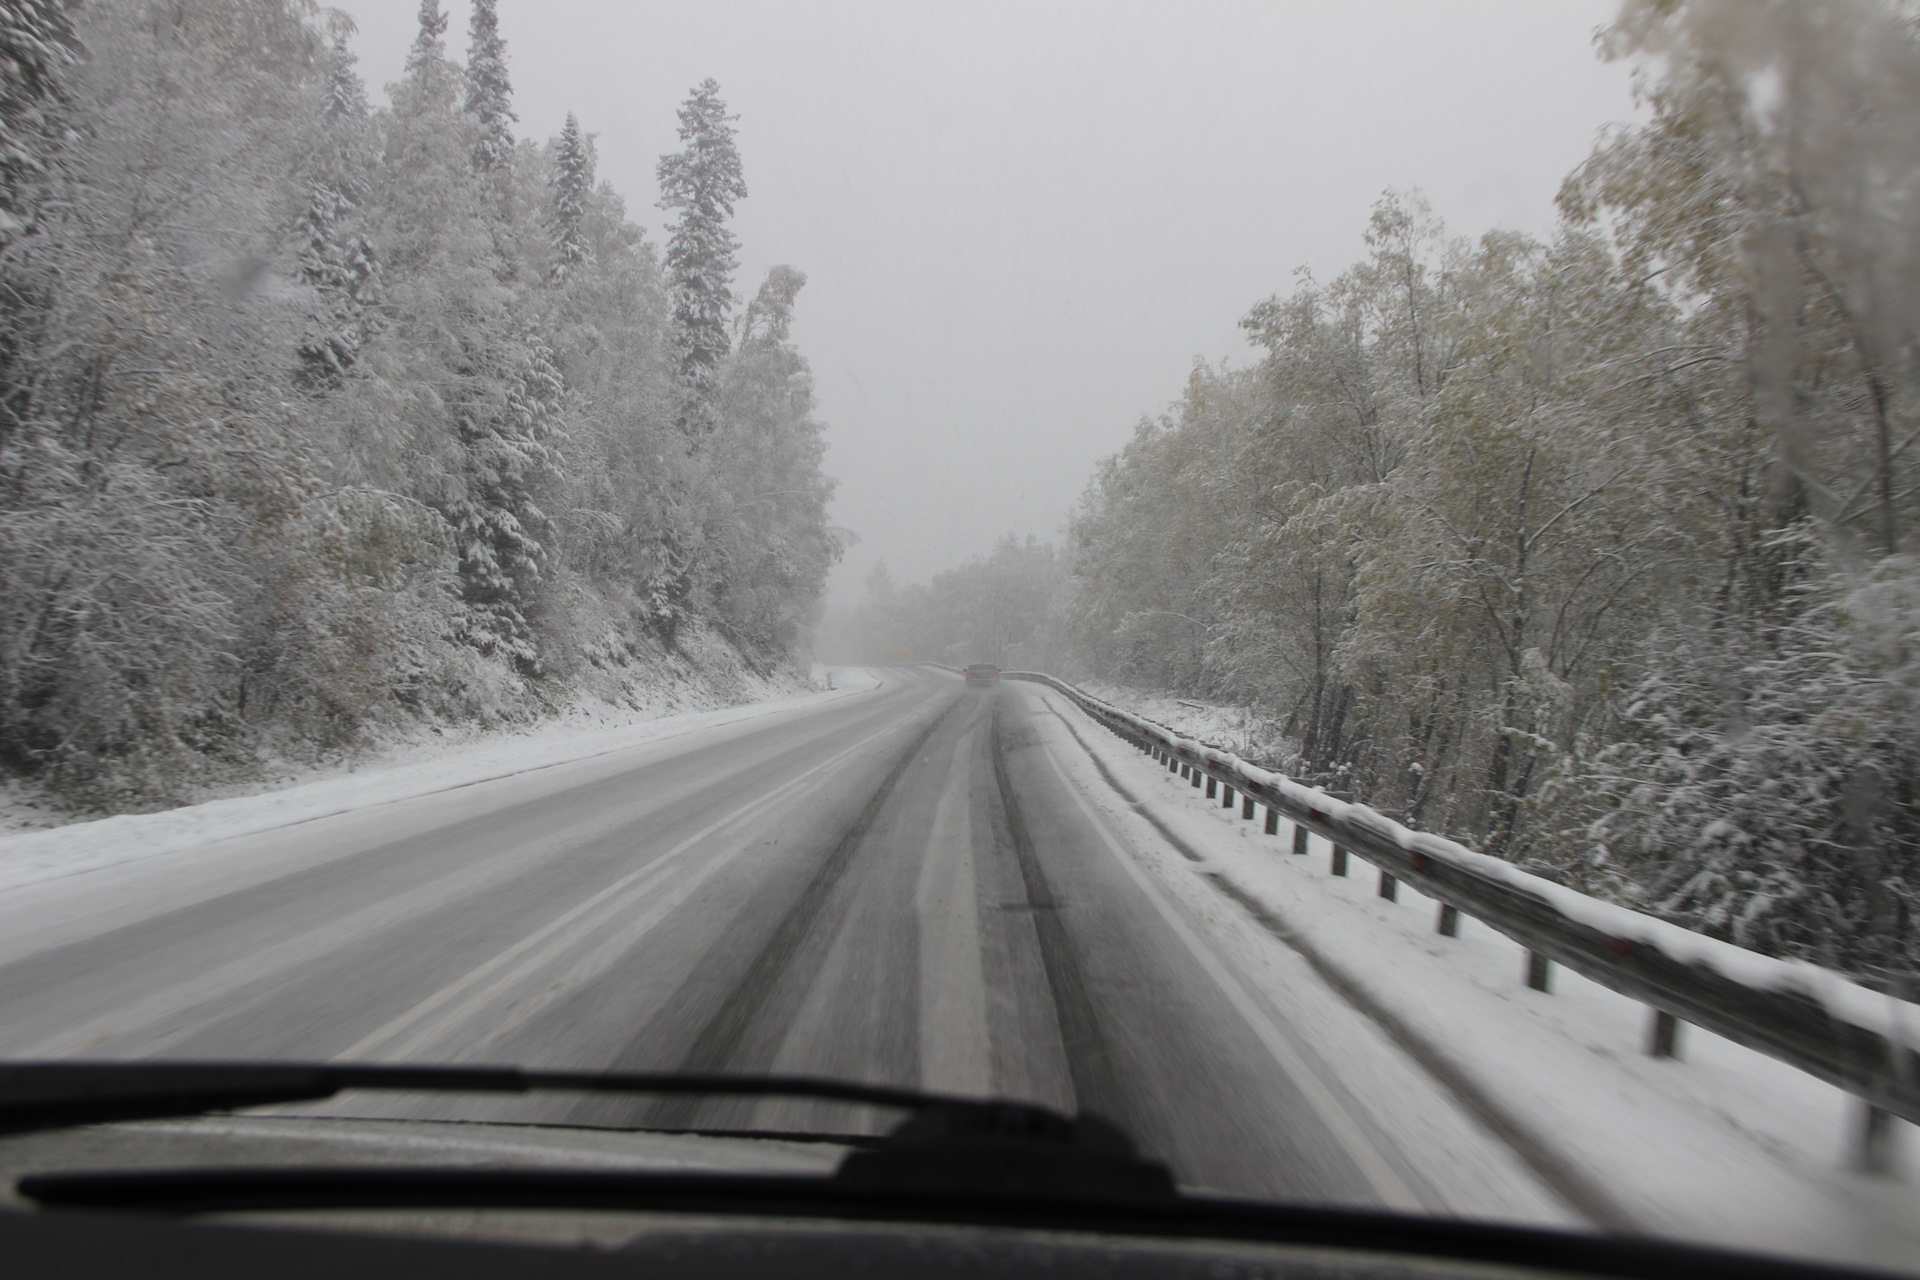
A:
902, 886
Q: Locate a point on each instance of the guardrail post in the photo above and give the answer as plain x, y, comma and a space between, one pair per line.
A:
1194, 773
1273, 821
1872, 1141
1449, 926
1539, 972
1663, 1035
1339, 861
1185, 768
1246, 808
1172, 764
1299, 839
1389, 887
1213, 786
1226, 796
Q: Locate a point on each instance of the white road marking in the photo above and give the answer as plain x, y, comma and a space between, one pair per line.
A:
955, 1056
1386, 1181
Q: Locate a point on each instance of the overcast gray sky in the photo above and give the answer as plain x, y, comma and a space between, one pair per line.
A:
1022, 222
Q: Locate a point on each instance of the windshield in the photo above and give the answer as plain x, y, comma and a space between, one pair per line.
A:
1331, 586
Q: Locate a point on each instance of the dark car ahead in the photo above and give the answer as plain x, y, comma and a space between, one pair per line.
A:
983, 675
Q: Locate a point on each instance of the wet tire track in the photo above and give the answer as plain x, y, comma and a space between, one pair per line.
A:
717, 1047
1090, 1063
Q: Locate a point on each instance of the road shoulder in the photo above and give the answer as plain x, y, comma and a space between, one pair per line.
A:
83, 848
1724, 1146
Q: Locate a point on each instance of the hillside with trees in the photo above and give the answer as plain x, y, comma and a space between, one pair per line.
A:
1598, 553
318, 416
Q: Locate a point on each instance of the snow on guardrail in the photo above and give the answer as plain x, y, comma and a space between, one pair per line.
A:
1815, 1019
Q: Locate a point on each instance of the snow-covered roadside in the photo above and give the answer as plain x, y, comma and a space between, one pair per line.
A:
1724, 1145
402, 773
1228, 726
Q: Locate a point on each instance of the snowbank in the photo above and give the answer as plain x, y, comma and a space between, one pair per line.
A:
401, 773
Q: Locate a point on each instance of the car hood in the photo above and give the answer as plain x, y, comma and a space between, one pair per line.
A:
311, 1140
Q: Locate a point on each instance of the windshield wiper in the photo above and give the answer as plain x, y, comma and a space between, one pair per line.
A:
57, 1095
960, 1161
946, 1143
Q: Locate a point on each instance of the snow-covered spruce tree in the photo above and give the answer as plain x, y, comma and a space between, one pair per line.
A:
423, 211
498, 523
571, 185
489, 93
629, 473
337, 259
429, 40
702, 181
467, 405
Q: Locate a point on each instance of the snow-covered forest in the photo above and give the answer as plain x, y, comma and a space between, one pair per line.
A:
1600, 552
1003, 607
317, 414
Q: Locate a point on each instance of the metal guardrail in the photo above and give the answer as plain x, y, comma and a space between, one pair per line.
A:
1859, 1040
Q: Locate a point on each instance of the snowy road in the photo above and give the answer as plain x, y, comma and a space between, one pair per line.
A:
923, 884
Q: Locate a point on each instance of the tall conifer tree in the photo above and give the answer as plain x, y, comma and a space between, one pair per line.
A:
346, 92
428, 45
340, 264
499, 526
489, 93
701, 181
572, 183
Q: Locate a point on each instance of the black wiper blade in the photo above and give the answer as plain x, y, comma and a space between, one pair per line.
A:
945, 1144
36, 1096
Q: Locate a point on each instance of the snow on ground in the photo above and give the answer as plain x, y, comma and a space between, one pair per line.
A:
1230, 727
1724, 1144
416, 769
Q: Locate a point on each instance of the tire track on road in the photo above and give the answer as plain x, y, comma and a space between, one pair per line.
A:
718, 1045
1090, 1066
